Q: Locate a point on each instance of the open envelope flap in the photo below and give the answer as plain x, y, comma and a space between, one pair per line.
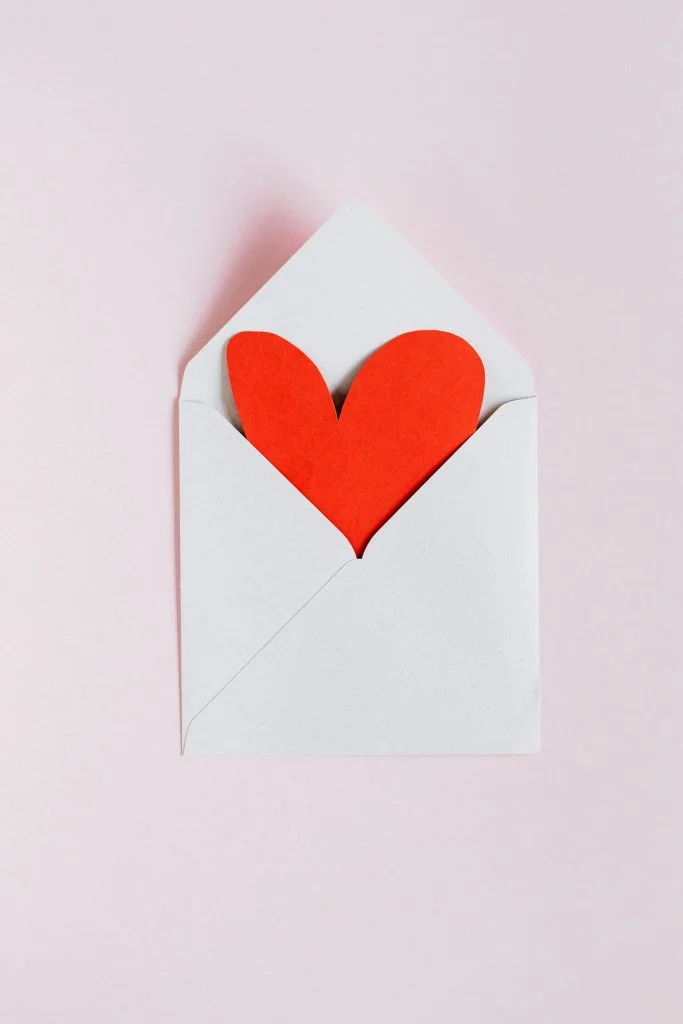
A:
353, 286
252, 551
429, 644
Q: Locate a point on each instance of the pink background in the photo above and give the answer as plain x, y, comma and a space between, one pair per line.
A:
159, 161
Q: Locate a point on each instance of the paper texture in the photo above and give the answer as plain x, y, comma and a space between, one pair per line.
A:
411, 405
291, 645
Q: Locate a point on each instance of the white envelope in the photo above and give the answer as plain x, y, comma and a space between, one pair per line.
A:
428, 644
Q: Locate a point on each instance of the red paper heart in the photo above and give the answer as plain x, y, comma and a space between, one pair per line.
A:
411, 405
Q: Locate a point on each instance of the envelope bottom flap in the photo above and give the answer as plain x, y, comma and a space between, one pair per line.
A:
252, 552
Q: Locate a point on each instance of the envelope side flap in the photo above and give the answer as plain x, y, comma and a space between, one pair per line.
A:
252, 552
353, 286
478, 462
428, 645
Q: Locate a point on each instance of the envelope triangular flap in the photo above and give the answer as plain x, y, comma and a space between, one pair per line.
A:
353, 286
426, 646
252, 552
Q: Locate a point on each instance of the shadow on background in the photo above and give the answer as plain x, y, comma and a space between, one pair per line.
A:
262, 250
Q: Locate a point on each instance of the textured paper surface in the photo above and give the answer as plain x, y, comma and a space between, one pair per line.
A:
410, 407
289, 643
427, 645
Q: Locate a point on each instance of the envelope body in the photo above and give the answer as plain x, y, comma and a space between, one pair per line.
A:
290, 644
